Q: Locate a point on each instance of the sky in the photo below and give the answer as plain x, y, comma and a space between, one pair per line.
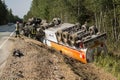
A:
19, 7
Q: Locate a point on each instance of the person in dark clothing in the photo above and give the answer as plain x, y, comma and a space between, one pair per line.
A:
17, 30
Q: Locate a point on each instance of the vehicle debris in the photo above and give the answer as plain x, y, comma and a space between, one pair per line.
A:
17, 53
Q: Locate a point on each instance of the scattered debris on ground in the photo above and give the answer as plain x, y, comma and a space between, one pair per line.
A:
17, 53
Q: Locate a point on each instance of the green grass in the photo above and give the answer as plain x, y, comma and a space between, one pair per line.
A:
110, 63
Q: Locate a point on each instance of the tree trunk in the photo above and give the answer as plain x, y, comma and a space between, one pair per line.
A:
78, 7
96, 21
115, 23
100, 20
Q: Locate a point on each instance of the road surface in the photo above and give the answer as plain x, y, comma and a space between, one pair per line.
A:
5, 33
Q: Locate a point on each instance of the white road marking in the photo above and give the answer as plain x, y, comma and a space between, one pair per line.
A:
6, 40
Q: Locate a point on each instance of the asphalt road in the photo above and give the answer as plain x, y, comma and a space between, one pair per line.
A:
5, 33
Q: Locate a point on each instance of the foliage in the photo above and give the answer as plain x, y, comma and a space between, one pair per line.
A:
110, 63
3, 12
6, 15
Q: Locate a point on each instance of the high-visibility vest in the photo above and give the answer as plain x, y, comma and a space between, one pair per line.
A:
17, 27
33, 31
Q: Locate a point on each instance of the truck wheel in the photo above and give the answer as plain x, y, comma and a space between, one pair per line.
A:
102, 50
99, 50
90, 55
105, 49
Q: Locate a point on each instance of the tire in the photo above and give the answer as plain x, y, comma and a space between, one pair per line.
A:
105, 49
99, 50
90, 55
93, 30
102, 50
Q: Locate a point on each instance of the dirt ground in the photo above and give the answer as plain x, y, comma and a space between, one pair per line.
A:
39, 62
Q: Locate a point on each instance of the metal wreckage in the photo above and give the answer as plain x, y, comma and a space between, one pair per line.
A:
73, 40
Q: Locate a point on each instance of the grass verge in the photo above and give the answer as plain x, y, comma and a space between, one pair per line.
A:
110, 63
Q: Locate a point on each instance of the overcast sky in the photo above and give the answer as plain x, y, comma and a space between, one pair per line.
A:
19, 7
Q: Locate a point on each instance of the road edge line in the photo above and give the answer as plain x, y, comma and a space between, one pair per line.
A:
6, 40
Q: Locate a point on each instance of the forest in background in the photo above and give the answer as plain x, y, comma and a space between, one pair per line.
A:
105, 14
6, 15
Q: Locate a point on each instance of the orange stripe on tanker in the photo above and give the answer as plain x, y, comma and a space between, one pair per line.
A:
79, 55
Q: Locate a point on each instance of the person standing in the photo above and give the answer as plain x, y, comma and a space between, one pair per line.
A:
17, 30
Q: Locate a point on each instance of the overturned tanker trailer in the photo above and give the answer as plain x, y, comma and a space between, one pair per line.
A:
75, 41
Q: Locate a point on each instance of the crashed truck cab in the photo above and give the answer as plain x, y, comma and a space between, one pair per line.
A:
80, 49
